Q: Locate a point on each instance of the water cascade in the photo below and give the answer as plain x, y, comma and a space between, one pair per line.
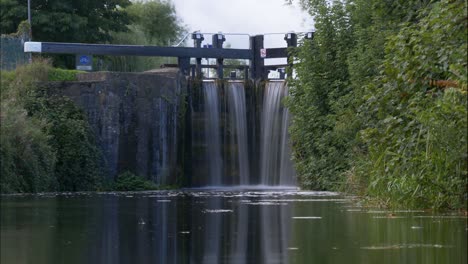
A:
287, 172
240, 135
238, 125
275, 163
212, 133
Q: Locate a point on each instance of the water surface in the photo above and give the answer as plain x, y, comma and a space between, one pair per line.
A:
222, 226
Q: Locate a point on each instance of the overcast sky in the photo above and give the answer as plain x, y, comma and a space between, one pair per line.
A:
243, 16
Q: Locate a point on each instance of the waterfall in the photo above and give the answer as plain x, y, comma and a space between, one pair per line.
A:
213, 133
238, 125
275, 163
239, 135
287, 173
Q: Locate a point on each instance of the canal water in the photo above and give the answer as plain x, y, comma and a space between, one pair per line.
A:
222, 226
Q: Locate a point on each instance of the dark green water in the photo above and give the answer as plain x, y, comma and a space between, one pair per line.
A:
221, 227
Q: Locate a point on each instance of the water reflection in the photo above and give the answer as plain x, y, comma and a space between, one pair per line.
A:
221, 227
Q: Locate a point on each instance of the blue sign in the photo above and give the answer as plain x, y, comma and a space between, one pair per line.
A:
84, 62
85, 59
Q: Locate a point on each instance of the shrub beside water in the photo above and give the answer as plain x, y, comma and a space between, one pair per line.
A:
46, 141
128, 181
380, 103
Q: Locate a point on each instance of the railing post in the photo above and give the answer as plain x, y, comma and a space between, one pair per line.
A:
291, 40
218, 40
257, 64
184, 65
197, 42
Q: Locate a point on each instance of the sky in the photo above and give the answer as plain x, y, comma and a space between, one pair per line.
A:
243, 16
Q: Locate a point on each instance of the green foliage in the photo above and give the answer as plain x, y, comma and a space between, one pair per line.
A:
47, 144
365, 115
81, 21
66, 20
78, 158
56, 74
417, 142
6, 78
157, 20
321, 142
116, 21
128, 181
154, 23
27, 160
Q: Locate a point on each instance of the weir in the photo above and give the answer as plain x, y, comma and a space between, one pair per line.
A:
241, 148
233, 132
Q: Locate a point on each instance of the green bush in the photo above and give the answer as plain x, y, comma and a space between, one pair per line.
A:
417, 141
56, 74
47, 144
27, 160
367, 116
128, 181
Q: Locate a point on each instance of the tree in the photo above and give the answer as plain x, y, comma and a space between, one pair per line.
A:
365, 109
157, 20
153, 23
85, 21
318, 96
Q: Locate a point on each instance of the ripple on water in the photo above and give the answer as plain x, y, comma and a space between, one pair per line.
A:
307, 217
217, 211
405, 246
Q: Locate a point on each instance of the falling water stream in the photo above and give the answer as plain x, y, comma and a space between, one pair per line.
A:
227, 136
238, 124
212, 133
275, 163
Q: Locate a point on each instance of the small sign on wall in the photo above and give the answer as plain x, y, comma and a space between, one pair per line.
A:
84, 62
263, 53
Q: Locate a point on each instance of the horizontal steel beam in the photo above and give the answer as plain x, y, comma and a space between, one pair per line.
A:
276, 53
135, 50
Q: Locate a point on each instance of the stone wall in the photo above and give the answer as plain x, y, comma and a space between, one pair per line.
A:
138, 120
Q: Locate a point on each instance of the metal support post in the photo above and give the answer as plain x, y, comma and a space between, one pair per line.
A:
291, 39
310, 35
218, 40
197, 42
184, 65
282, 73
257, 64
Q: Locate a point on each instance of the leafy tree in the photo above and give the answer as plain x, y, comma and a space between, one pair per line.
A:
318, 95
85, 21
157, 20
367, 112
154, 23
82, 21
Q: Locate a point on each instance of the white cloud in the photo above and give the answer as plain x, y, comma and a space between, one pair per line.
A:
243, 16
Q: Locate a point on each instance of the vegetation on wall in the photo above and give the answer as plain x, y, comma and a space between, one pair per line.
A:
46, 141
380, 102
